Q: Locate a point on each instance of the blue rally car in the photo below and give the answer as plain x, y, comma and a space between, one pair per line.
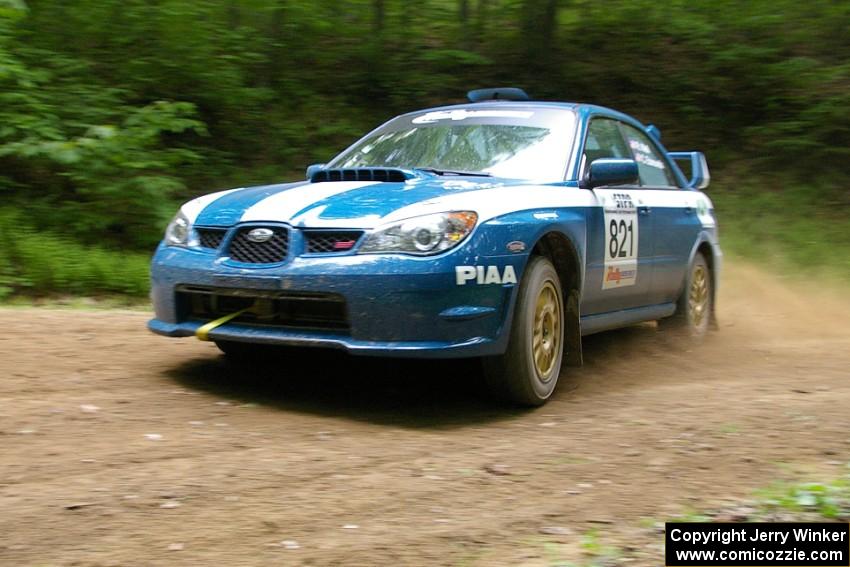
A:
504, 229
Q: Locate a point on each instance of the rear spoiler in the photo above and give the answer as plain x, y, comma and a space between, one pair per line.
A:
697, 165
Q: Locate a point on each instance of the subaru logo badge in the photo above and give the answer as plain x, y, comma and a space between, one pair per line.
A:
259, 235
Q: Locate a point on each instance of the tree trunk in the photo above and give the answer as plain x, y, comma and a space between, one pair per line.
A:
539, 27
482, 10
379, 14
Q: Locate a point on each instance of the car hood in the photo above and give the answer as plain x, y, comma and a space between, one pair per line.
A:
357, 204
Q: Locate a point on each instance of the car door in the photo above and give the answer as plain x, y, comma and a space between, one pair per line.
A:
619, 244
673, 209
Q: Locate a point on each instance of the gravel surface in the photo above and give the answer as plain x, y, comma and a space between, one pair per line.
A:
123, 448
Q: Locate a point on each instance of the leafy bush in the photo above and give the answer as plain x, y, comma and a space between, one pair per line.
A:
76, 156
38, 263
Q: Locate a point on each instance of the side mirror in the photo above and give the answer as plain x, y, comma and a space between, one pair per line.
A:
314, 169
700, 177
611, 171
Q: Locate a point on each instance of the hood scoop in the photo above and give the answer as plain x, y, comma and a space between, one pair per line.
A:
380, 174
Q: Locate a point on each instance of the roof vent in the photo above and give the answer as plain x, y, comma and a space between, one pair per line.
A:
384, 175
653, 131
500, 93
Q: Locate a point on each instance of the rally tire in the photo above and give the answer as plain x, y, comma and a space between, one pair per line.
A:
695, 306
527, 373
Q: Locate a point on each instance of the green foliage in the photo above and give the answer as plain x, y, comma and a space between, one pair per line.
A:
112, 180
789, 228
37, 263
592, 546
830, 500
73, 149
282, 83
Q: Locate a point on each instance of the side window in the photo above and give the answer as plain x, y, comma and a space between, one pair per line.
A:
604, 140
651, 165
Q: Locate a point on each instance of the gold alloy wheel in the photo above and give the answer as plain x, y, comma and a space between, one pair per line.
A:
546, 340
698, 295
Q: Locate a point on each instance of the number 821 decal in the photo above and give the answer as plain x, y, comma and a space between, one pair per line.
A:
621, 239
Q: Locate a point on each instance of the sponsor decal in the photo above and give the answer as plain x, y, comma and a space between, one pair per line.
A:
644, 155
485, 275
616, 275
460, 185
516, 246
621, 238
546, 216
463, 114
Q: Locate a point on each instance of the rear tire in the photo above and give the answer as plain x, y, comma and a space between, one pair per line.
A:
528, 371
695, 307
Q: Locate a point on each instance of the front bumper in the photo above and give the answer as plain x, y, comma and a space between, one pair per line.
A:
396, 305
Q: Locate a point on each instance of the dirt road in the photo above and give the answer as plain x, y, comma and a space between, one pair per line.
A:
123, 448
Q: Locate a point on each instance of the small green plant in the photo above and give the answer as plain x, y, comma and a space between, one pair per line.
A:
729, 428
830, 500
39, 263
598, 552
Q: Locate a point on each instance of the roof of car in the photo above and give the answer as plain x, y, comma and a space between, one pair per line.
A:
579, 107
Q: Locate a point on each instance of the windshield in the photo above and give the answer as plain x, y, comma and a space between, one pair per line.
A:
527, 143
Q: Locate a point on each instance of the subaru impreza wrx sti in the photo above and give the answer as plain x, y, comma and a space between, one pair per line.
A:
504, 229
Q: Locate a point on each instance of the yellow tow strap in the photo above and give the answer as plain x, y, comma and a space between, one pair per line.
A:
204, 330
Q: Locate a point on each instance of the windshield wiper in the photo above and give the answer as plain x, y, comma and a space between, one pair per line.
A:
453, 172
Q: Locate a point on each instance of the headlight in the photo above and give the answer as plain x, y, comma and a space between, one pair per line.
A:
429, 234
179, 231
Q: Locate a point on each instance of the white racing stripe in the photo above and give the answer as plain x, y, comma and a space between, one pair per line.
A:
284, 205
194, 207
697, 200
668, 198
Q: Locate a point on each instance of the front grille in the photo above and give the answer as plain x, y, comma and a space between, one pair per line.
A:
211, 237
324, 242
321, 311
242, 249
381, 174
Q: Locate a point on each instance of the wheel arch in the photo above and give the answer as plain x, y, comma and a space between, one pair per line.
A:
559, 249
705, 247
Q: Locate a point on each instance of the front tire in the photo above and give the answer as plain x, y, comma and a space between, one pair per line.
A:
528, 371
